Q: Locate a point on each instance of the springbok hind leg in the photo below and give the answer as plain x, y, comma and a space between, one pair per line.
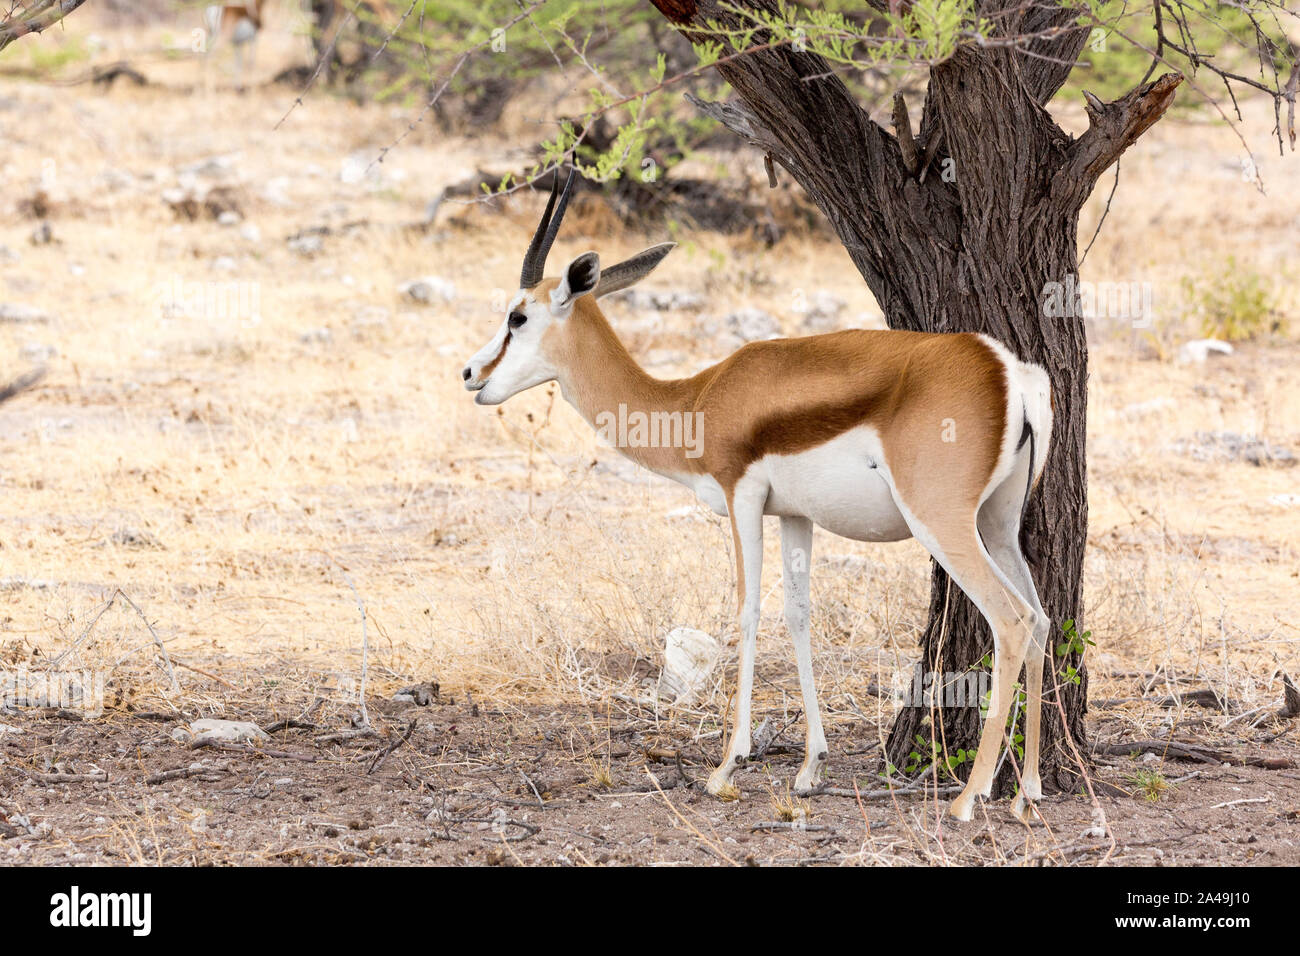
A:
1012, 621
999, 525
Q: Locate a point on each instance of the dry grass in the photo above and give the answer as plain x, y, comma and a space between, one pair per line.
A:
246, 482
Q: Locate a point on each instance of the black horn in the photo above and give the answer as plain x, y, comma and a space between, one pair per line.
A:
535, 258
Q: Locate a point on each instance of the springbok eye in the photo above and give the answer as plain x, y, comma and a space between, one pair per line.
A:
517, 319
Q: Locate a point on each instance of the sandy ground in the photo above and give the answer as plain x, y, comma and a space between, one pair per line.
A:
250, 432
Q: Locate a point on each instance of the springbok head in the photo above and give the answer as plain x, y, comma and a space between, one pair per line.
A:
534, 340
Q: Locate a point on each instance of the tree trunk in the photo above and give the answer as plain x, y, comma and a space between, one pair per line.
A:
963, 228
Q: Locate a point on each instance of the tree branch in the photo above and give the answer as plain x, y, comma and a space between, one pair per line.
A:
903, 131
1113, 128
35, 18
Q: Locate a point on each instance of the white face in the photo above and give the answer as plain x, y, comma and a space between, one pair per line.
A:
512, 361
516, 359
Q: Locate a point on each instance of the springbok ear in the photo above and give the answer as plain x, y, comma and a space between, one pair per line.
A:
631, 271
580, 277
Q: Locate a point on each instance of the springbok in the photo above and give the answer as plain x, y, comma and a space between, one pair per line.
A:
874, 435
236, 23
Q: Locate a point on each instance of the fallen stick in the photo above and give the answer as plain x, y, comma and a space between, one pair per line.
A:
290, 724
383, 754
201, 671
98, 776
182, 772
345, 735
1190, 751
245, 749
917, 786
787, 825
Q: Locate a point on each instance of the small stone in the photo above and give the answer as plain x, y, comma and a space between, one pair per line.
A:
690, 657
751, 325
209, 730
307, 246
822, 311
428, 289
1198, 351
422, 695
314, 336
38, 352
132, 538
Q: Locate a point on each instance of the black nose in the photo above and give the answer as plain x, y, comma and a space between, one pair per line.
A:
466, 374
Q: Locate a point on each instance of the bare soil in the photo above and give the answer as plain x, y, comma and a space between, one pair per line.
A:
472, 784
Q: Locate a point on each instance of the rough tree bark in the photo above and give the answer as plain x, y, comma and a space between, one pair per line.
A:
34, 17
961, 228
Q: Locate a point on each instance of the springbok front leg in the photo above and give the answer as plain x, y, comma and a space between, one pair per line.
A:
745, 505
796, 556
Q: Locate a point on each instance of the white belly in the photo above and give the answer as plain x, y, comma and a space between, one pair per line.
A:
841, 486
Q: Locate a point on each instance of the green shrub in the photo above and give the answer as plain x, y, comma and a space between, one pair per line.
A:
1236, 304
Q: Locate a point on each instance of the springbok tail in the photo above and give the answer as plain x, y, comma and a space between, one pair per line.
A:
1026, 543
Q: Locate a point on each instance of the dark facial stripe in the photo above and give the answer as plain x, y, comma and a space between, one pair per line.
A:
490, 367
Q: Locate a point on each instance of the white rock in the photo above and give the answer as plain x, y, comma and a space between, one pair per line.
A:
229, 218
752, 324
311, 336
250, 233
209, 730
38, 352
1197, 351
1284, 500
276, 191
216, 167
359, 167
307, 245
822, 311
690, 657
6, 729
428, 289
661, 300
